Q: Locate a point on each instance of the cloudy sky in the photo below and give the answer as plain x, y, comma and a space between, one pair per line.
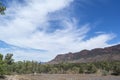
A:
41, 29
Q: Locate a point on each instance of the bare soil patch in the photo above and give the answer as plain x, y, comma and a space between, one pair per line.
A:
61, 77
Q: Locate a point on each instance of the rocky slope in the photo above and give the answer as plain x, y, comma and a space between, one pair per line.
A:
99, 54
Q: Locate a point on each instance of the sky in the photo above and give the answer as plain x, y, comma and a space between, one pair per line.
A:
41, 29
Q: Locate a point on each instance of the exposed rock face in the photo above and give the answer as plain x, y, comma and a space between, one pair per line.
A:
94, 55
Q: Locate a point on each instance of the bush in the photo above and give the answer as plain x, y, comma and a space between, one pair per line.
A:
116, 69
105, 73
91, 68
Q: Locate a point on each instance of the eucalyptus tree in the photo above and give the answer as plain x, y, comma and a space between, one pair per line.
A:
2, 9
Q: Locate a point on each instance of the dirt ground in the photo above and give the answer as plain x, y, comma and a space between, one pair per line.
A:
61, 77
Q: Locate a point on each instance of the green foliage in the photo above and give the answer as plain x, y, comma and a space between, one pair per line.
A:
53, 70
116, 68
1, 57
75, 70
81, 70
8, 59
91, 68
2, 9
8, 66
1, 68
105, 73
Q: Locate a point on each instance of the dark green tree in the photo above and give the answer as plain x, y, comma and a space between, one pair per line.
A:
1, 65
91, 68
2, 9
1, 57
116, 68
8, 59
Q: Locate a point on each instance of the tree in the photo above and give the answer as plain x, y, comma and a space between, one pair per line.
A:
116, 68
1, 57
91, 68
8, 59
81, 70
1, 65
75, 70
2, 9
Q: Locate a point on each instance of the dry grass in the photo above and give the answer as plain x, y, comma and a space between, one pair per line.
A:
64, 77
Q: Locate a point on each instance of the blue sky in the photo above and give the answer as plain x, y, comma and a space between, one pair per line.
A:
104, 16
39, 30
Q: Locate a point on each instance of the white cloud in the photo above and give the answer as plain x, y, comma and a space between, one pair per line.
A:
27, 25
26, 55
100, 32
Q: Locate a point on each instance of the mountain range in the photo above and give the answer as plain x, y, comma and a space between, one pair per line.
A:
98, 54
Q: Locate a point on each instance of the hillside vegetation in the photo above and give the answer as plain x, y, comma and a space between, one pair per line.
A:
8, 66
